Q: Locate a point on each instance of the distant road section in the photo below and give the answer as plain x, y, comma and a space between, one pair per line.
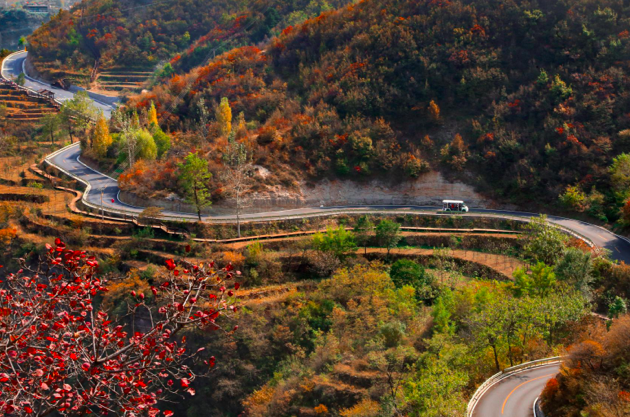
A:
13, 66
514, 396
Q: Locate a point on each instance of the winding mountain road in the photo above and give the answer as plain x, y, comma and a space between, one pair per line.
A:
512, 396
68, 160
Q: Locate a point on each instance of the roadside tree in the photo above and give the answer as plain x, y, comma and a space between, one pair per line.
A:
77, 114
363, 231
544, 242
194, 176
337, 241
388, 234
576, 268
50, 125
237, 176
146, 147
102, 139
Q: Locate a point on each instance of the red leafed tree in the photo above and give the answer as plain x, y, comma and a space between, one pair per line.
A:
60, 354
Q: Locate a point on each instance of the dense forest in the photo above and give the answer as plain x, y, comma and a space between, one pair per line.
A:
527, 100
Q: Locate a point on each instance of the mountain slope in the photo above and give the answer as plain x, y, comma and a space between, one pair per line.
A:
538, 92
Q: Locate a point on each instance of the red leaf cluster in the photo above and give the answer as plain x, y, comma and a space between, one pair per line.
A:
61, 354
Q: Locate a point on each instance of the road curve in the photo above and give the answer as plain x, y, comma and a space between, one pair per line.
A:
514, 396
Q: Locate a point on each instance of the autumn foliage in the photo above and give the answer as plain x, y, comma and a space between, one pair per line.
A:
61, 353
593, 380
390, 70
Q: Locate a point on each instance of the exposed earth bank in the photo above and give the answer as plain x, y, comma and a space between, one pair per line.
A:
430, 189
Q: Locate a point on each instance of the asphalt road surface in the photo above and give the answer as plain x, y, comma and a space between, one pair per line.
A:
69, 161
515, 395
12, 67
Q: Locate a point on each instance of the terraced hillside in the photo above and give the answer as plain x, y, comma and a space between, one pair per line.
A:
21, 106
116, 80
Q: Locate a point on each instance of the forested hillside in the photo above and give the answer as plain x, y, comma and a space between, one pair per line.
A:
141, 34
531, 97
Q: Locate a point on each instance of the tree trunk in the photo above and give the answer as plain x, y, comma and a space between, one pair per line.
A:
496, 358
238, 215
71, 132
197, 205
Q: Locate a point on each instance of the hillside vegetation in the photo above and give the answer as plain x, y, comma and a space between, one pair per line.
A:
594, 380
532, 97
138, 34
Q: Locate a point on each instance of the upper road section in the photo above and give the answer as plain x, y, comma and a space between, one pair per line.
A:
13, 65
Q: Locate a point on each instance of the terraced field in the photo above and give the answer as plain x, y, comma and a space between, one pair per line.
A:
20, 106
115, 81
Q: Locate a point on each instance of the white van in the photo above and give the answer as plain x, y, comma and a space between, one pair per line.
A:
454, 206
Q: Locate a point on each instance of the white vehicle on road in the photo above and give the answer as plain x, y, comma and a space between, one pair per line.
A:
454, 206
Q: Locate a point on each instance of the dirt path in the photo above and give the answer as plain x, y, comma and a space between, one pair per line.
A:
503, 264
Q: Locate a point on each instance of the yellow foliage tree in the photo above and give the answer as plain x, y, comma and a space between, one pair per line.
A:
152, 115
427, 142
102, 139
234, 258
455, 154
434, 112
257, 404
7, 235
120, 290
224, 117
366, 408
457, 145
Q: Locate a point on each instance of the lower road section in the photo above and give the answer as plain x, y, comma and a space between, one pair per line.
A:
514, 396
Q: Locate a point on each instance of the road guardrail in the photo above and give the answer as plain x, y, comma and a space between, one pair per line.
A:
499, 376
